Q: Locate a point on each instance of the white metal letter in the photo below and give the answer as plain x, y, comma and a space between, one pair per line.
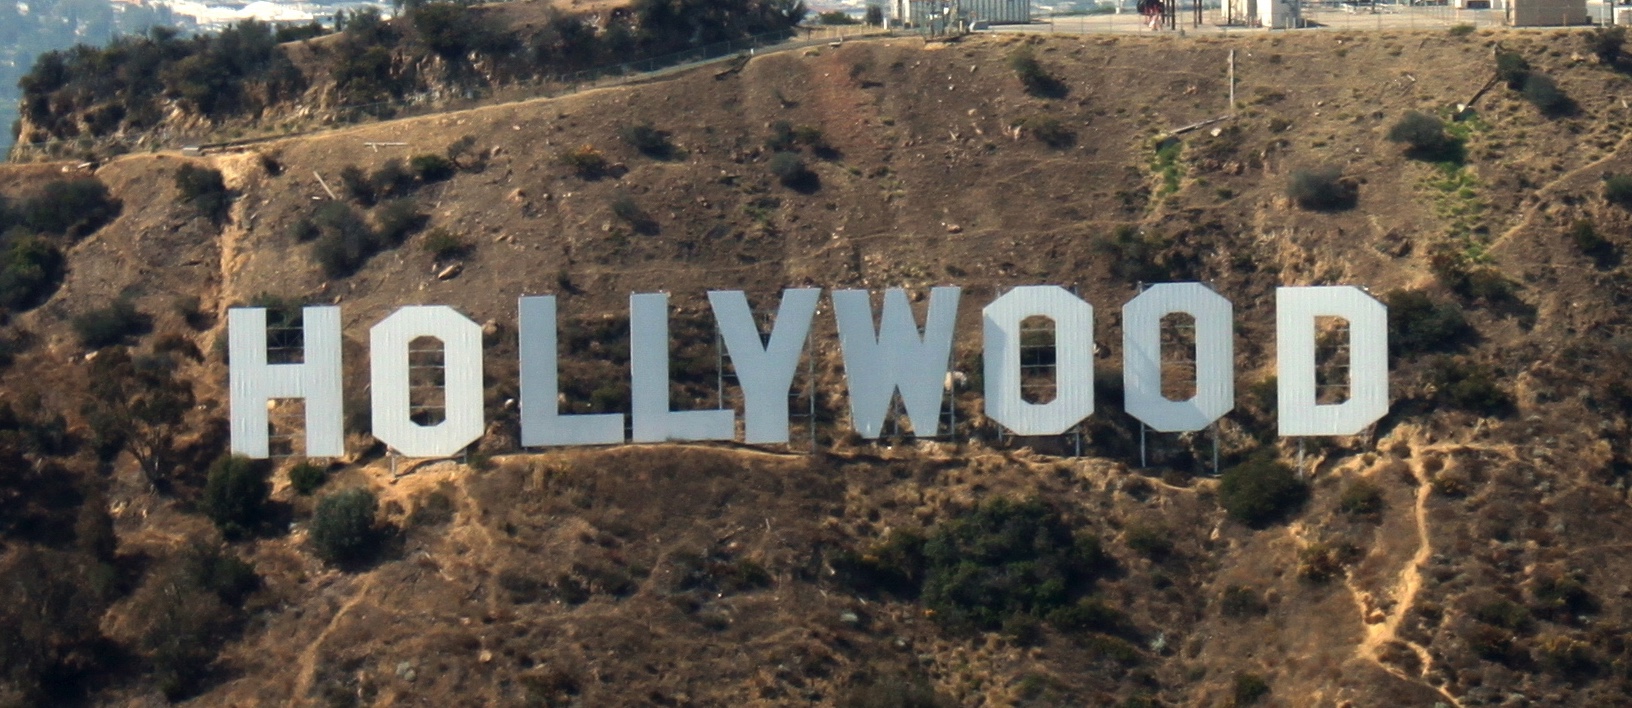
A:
541, 419
462, 380
1142, 357
1295, 313
649, 379
895, 356
253, 381
765, 369
1073, 360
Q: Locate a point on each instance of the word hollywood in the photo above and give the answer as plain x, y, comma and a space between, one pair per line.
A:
895, 356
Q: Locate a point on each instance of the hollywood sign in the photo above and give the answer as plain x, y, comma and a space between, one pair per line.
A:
895, 356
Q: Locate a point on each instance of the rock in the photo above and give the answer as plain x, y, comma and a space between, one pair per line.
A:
954, 229
850, 618
518, 195
485, 657
490, 331
451, 272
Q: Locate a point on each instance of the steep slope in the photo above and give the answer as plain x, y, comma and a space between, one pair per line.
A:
1477, 564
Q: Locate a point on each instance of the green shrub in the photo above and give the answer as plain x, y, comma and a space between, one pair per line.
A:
1542, 92
1321, 562
1321, 189
650, 141
894, 692
1618, 190
791, 171
432, 168
393, 179
1154, 541
1050, 131
1004, 559
1461, 30
354, 181
306, 477
1240, 602
1136, 256
111, 325
586, 162
32, 271
895, 567
396, 220
838, 17
344, 241
1261, 489
1249, 688
1418, 323
205, 190
444, 246
236, 493
1036, 80
1425, 138
217, 570
343, 528
625, 208
1469, 385
1584, 234
1361, 498
73, 207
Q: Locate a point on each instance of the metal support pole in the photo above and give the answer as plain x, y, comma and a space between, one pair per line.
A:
1215, 448
1300, 458
810, 394
1143, 463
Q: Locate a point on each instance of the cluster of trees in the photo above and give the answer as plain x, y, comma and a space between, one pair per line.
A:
54, 25
129, 83
124, 86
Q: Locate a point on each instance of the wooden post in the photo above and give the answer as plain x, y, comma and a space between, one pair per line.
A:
1232, 82
326, 185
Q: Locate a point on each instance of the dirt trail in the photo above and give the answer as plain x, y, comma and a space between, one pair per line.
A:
1404, 592
308, 658
1530, 214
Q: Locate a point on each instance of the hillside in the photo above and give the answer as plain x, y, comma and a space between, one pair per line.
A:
1465, 551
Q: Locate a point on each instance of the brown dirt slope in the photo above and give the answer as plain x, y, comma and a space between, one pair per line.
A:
624, 576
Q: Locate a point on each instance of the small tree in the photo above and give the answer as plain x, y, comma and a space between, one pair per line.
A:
32, 269
138, 404
235, 494
343, 527
875, 15
1321, 189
